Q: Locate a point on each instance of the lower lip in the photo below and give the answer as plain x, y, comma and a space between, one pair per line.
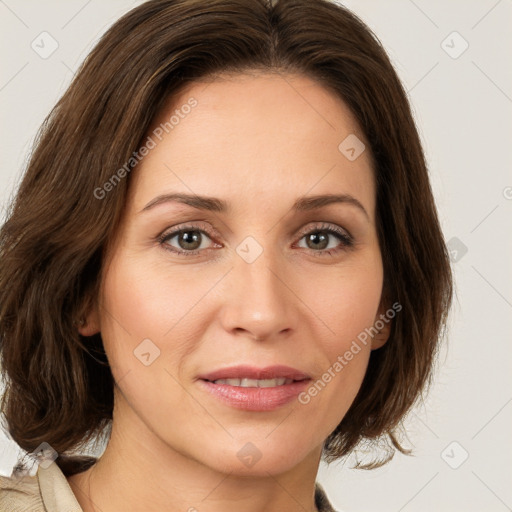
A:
256, 399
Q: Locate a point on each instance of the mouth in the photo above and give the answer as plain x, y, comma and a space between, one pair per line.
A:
255, 389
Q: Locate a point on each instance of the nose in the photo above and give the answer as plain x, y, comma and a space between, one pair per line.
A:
260, 302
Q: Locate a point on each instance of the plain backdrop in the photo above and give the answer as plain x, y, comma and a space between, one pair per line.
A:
454, 59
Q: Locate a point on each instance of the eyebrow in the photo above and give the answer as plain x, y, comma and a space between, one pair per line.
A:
213, 204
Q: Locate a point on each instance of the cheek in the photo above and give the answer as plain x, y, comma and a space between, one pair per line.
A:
347, 301
143, 311
143, 301
148, 300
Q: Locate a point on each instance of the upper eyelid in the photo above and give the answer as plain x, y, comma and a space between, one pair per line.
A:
320, 225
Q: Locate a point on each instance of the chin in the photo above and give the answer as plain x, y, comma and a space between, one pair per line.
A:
256, 459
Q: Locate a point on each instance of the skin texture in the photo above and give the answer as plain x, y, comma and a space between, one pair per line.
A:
258, 141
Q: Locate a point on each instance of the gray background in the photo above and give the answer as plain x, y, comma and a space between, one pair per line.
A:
463, 105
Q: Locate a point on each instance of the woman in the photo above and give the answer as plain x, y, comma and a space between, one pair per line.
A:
224, 255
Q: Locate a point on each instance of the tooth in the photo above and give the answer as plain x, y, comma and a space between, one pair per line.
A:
254, 383
229, 382
270, 383
267, 383
249, 383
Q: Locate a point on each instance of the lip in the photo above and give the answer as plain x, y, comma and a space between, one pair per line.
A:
252, 372
255, 399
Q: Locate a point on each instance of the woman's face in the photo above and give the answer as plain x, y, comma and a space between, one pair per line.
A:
256, 283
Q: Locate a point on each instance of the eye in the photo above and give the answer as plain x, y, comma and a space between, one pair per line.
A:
189, 240
318, 240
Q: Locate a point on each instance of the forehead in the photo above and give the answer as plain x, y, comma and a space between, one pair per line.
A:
265, 136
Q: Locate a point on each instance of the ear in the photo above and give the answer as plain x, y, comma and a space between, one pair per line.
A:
383, 324
89, 321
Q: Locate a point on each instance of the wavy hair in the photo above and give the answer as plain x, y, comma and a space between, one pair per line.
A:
59, 387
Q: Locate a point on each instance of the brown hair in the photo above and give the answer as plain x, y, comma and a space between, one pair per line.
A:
59, 387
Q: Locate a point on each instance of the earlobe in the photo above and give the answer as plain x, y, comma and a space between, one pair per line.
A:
89, 324
384, 330
380, 339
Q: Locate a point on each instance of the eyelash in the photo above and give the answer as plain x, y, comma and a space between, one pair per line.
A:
346, 239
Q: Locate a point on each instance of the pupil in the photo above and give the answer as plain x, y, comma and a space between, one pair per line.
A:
187, 239
315, 237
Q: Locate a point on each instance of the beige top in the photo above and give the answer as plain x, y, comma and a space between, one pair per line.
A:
48, 491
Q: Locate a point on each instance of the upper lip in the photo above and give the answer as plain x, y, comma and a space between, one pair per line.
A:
252, 372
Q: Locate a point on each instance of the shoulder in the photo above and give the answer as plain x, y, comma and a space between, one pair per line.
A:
20, 493
48, 489
321, 501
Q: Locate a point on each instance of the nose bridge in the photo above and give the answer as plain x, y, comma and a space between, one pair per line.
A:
260, 303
